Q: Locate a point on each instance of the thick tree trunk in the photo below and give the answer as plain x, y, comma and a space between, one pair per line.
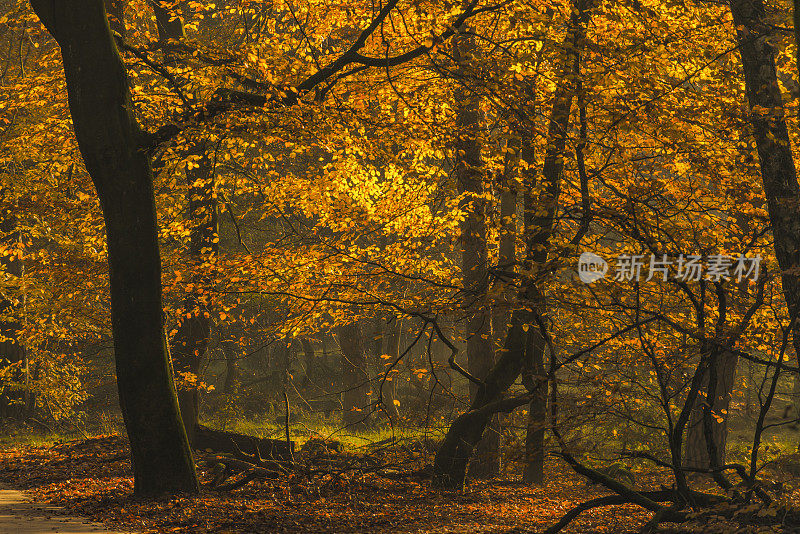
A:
474, 254
355, 382
696, 448
778, 171
453, 456
111, 143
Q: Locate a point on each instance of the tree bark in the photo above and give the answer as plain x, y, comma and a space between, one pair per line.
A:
453, 456
11, 351
193, 332
696, 448
389, 388
470, 177
111, 143
355, 382
507, 255
540, 216
232, 370
524, 344
778, 171
310, 359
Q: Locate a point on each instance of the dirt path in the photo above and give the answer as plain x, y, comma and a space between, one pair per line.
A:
18, 515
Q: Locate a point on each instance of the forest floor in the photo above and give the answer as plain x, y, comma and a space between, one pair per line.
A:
92, 478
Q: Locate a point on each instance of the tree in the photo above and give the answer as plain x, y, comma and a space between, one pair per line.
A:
470, 177
355, 381
12, 353
768, 122
114, 151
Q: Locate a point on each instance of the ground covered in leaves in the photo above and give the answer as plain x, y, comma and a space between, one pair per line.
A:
93, 478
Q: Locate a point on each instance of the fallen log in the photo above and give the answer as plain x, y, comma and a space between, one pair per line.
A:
208, 439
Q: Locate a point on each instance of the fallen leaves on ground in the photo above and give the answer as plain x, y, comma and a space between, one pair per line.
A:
93, 478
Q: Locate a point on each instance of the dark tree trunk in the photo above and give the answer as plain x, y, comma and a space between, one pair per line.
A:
193, 331
470, 178
389, 390
696, 449
309, 358
453, 456
168, 26
355, 382
778, 171
12, 403
111, 143
524, 344
234, 443
540, 216
232, 369
507, 254
376, 342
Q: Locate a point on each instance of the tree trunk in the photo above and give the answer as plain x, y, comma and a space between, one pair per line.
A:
389, 388
309, 358
696, 448
11, 351
778, 171
507, 255
355, 382
111, 143
521, 349
232, 369
540, 216
193, 332
453, 456
474, 254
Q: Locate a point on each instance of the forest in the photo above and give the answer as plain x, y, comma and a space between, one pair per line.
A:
413, 266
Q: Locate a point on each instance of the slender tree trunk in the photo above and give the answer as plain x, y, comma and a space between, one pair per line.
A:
11, 350
355, 382
232, 370
540, 216
507, 255
193, 333
474, 254
778, 173
389, 391
309, 359
111, 143
522, 348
